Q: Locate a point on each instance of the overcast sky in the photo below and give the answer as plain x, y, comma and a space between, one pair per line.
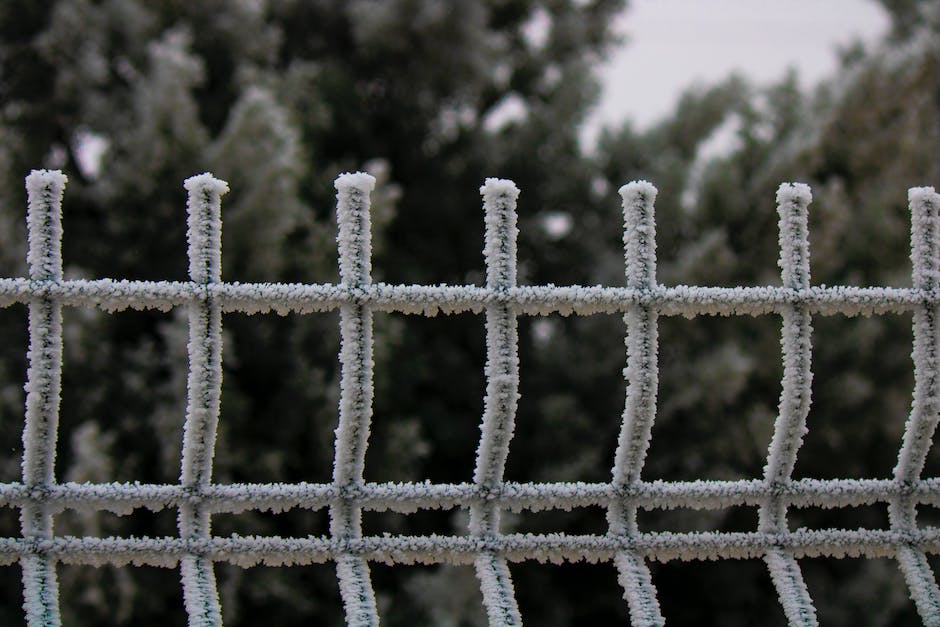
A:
672, 44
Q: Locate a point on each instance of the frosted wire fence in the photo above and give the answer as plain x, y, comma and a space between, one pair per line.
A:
196, 498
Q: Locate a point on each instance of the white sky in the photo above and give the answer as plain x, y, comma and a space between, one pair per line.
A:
672, 44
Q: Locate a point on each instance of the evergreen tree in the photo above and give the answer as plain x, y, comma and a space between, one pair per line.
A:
131, 97
860, 140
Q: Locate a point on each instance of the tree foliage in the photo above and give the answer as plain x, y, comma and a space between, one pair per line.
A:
130, 97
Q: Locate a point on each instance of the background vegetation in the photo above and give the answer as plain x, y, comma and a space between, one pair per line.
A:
278, 97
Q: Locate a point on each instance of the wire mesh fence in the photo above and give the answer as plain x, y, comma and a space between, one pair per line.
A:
195, 550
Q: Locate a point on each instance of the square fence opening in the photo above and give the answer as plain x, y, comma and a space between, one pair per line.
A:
719, 388
877, 581
700, 589
267, 591
107, 595
602, 596
255, 443
427, 414
571, 391
861, 396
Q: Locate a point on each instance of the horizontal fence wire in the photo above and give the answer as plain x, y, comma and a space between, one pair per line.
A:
123, 498
486, 546
252, 298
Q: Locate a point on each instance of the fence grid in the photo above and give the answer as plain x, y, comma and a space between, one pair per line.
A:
39, 497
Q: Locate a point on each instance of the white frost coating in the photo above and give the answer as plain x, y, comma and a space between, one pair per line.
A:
43, 379
499, 596
502, 362
639, 233
200, 596
642, 300
204, 222
795, 396
634, 577
502, 394
797, 194
788, 581
124, 498
204, 389
792, 203
494, 189
555, 548
499, 249
354, 233
355, 403
925, 405
44, 232
920, 581
923, 202
354, 182
925, 250
642, 375
796, 337
356, 590
642, 371
40, 590
429, 300
44, 189
793, 200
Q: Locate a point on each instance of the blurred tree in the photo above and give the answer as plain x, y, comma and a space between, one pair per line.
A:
860, 140
130, 97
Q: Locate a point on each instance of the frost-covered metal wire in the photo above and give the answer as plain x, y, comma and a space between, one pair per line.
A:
920, 427
790, 427
355, 403
487, 547
499, 404
204, 392
44, 259
642, 374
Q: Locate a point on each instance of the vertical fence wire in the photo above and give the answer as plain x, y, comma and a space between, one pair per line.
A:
925, 405
642, 375
355, 405
44, 259
502, 394
796, 389
204, 389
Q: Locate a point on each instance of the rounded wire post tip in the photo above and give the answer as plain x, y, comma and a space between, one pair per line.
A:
924, 203
44, 189
205, 182
794, 193
638, 191
40, 180
359, 181
495, 188
922, 196
639, 233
